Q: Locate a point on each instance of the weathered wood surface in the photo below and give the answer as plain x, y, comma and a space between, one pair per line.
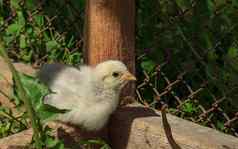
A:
133, 127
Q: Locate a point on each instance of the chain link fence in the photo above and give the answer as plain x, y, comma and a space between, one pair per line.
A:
195, 102
45, 31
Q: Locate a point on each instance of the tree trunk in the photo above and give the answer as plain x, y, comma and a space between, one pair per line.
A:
109, 33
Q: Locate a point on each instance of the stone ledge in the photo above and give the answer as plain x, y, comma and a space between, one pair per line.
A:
138, 127
141, 128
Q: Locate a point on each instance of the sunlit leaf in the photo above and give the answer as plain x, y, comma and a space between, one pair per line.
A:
26, 56
39, 20
37, 91
220, 125
50, 142
101, 142
74, 58
1, 20
13, 29
52, 44
22, 41
71, 42
189, 107
148, 65
20, 18
15, 4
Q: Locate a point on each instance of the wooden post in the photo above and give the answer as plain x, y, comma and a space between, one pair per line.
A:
109, 32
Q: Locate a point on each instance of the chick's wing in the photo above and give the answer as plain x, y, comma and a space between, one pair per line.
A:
68, 84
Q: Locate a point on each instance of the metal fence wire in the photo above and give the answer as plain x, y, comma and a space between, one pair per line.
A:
197, 103
44, 31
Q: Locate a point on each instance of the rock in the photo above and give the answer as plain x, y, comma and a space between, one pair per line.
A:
19, 140
138, 127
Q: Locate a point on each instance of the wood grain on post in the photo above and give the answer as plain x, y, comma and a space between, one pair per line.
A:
110, 32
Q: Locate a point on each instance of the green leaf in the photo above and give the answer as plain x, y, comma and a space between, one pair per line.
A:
8, 39
210, 6
71, 42
29, 30
15, 96
211, 56
148, 65
39, 20
31, 4
50, 142
15, 4
20, 18
26, 56
4, 110
37, 91
74, 58
189, 107
52, 44
22, 41
13, 29
48, 112
60, 145
232, 52
206, 40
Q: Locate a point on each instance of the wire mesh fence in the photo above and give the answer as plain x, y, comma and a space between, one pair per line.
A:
45, 31
196, 102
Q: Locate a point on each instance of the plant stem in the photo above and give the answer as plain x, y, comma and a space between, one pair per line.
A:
6, 114
22, 94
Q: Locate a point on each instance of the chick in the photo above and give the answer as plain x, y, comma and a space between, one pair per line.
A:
90, 93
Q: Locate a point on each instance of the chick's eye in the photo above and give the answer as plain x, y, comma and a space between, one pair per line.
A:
115, 74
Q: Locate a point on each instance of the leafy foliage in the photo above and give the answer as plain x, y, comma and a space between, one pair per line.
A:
36, 91
10, 124
102, 143
32, 39
31, 93
189, 108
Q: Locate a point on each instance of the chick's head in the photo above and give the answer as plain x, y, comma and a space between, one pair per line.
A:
113, 74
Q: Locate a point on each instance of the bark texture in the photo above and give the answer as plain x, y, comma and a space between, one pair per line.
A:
109, 33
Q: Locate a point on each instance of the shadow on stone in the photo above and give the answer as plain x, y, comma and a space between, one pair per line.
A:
120, 125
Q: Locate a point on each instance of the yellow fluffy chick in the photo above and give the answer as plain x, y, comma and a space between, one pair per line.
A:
90, 93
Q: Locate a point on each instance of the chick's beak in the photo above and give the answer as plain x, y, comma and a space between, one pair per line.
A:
127, 76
